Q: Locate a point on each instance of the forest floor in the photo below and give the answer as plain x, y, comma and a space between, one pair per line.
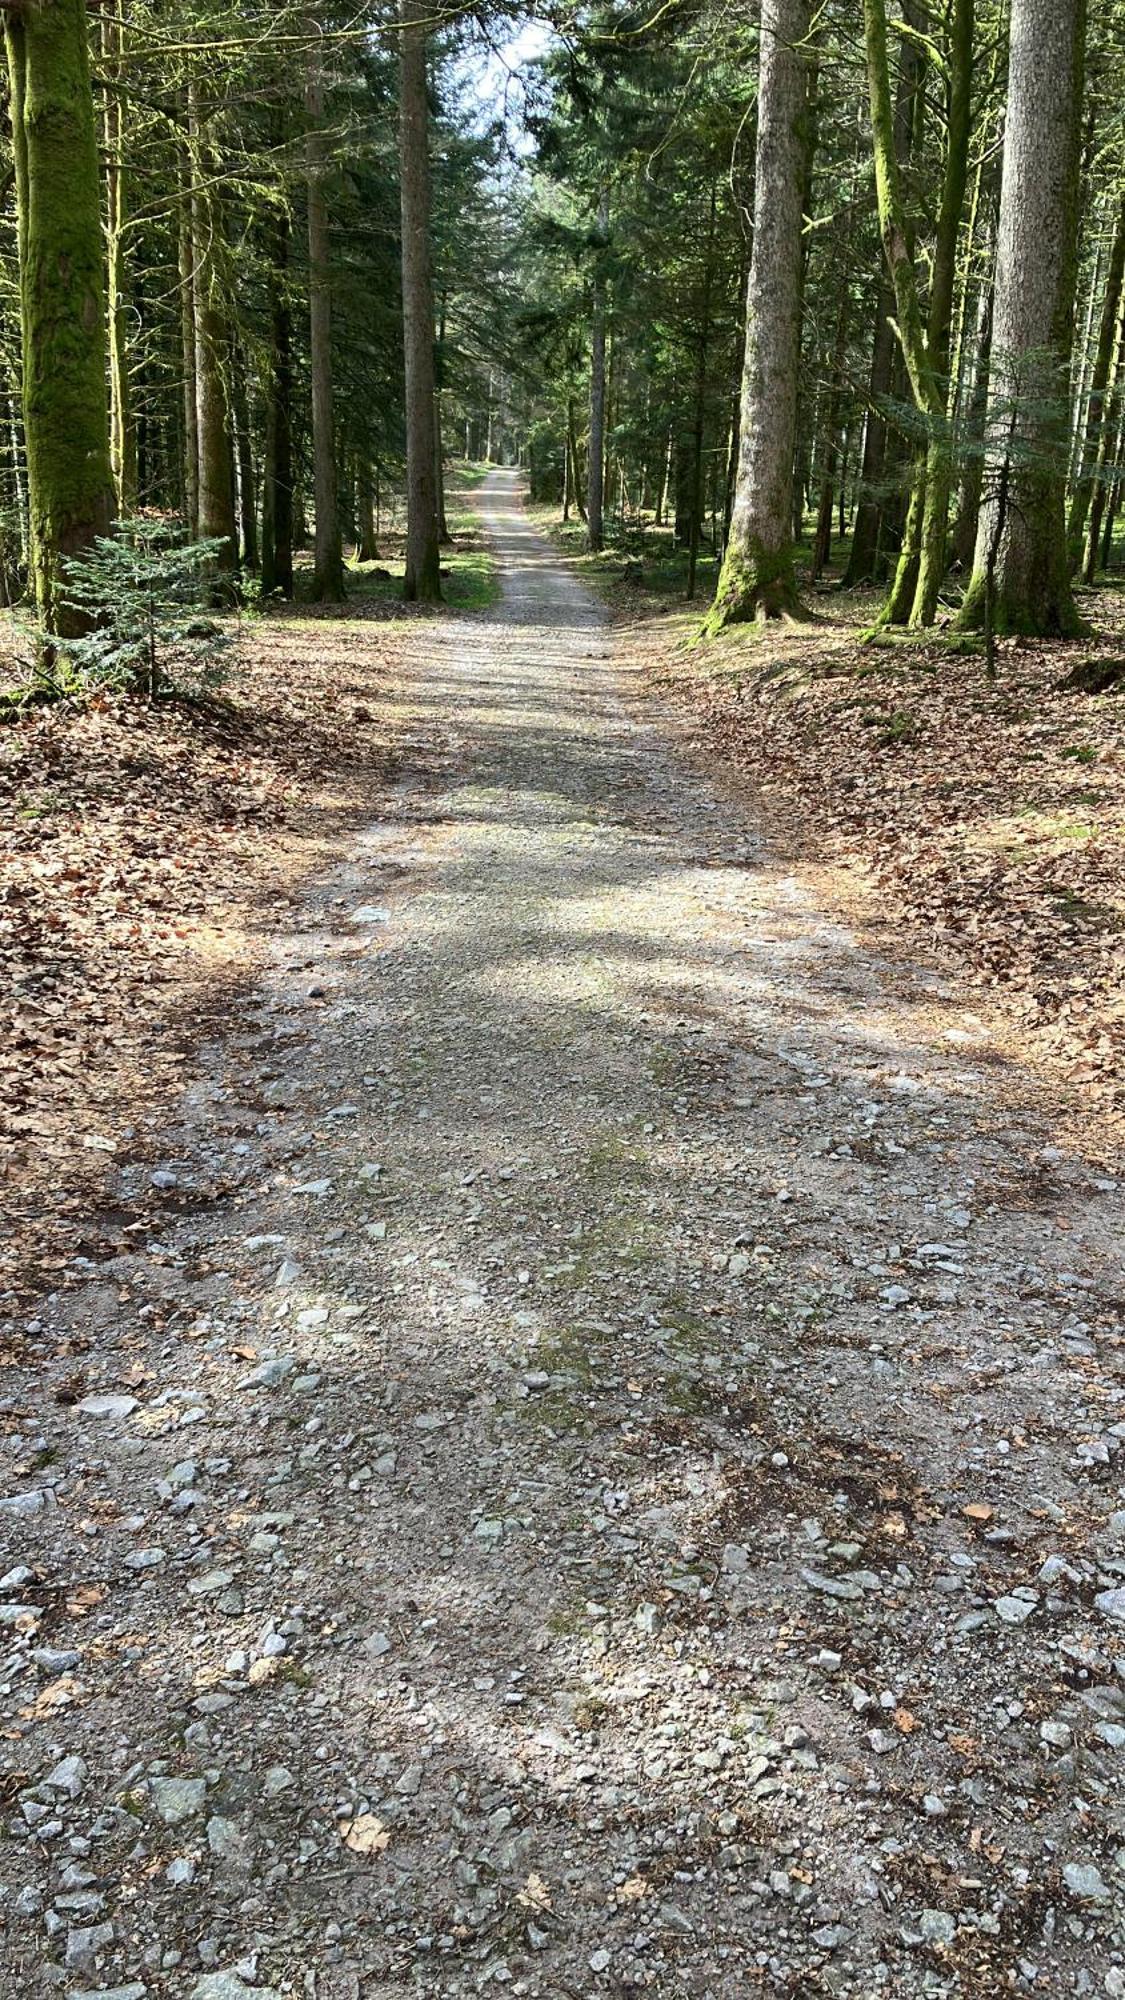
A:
567, 1435
980, 819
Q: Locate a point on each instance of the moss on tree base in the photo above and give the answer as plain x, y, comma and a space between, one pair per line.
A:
1053, 616
756, 584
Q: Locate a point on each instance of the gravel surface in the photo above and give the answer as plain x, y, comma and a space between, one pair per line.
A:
605, 1477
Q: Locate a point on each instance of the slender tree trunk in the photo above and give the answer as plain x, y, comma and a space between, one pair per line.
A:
328, 551
1095, 413
122, 430
19, 483
972, 477
444, 536
683, 489
925, 345
939, 468
244, 464
822, 540
805, 434
1034, 326
1107, 459
277, 472
212, 422
1114, 456
62, 300
595, 468
187, 350
757, 578
422, 581
863, 554
572, 447
701, 397
367, 543
1081, 370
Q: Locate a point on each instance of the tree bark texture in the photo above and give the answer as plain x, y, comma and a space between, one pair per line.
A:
328, 553
62, 298
595, 464
1033, 329
212, 418
757, 579
422, 581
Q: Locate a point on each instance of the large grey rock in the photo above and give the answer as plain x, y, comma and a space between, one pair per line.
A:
230, 1986
177, 1799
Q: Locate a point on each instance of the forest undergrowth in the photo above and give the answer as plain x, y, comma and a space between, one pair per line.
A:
976, 821
151, 849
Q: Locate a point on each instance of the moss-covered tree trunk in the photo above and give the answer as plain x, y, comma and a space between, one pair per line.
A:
62, 294
328, 549
925, 345
757, 579
1023, 519
422, 581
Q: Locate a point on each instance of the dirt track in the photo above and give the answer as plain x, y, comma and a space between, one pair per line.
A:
527, 1547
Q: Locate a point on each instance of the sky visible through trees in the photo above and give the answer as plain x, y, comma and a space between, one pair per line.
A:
792, 288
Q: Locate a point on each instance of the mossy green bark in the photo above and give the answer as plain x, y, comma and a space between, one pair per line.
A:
755, 584
925, 344
1030, 606
62, 297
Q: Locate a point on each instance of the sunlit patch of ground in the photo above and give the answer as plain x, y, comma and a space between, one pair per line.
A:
979, 822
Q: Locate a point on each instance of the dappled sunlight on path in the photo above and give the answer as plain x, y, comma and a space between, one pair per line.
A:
625, 1468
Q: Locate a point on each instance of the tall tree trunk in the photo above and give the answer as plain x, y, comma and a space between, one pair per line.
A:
444, 536
422, 581
972, 476
1103, 360
244, 464
822, 540
1109, 446
62, 301
864, 550
328, 552
925, 344
1029, 577
595, 467
757, 578
572, 447
367, 545
187, 350
212, 420
939, 468
122, 430
701, 397
277, 471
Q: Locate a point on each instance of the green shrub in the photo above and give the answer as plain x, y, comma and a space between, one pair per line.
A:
144, 597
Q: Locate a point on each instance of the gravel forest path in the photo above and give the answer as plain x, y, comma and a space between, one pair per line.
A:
605, 1475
